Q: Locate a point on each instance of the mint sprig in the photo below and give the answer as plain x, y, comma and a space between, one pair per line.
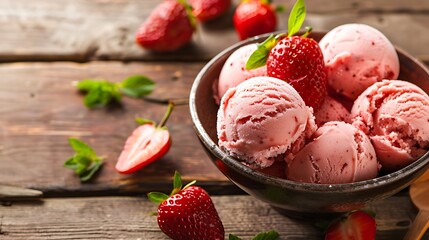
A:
100, 93
270, 235
85, 161
296, 18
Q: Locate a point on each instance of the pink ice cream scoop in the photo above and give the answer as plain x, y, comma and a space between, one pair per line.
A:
395, 115
234, 70
331, 110
356, 56
338, 153
260, 119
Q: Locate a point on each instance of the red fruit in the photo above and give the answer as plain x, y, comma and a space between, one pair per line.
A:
167, 28
206, 10
146, 144
299, 61
357, 225
188, 214
254, 17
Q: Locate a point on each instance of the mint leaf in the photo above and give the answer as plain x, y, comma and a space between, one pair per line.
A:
233, 237
85, 161
296, 17
88, 173
270, 235
260, 55
99, 92
87, 85
81, 147
137, 86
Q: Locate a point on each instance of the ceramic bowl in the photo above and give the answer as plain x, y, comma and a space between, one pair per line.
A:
294, 198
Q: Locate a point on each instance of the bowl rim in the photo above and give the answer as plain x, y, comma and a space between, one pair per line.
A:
417, 165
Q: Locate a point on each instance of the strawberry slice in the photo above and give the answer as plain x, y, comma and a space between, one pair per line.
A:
357, 225
146, 144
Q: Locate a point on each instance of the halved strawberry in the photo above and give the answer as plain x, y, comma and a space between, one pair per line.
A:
146, 144
357, 225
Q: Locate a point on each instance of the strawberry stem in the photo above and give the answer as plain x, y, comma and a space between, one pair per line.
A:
308, 30
167, 114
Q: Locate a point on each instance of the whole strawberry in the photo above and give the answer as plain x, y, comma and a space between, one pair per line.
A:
254, 17
206, 10
297, 60
357, 225
187, 213
168, 27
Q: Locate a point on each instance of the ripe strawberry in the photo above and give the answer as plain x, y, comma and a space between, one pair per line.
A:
299, 61
188, 213
168, 27
357, 225
254, 17
206, 10
146, 144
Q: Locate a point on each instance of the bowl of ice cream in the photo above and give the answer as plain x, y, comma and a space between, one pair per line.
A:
293, 187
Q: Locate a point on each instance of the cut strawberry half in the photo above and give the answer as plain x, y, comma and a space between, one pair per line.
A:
357, 225
146, 144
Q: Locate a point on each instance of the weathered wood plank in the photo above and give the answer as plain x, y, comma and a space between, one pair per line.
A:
128, 218
82, 30
40, 109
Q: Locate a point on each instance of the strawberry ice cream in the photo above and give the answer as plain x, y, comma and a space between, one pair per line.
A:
331, 110
356, 56
395, 115
338, 153
234, 70
260, 119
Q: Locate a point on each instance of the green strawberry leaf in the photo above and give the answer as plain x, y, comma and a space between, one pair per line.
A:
177, 183
157, 197
270, 235
143, 121
137, 86
260, 55
296, 17
233, 237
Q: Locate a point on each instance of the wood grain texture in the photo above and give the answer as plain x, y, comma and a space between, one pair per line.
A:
83, 30
128, 218
40, 109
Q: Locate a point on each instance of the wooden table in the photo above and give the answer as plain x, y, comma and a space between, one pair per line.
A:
47, 45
